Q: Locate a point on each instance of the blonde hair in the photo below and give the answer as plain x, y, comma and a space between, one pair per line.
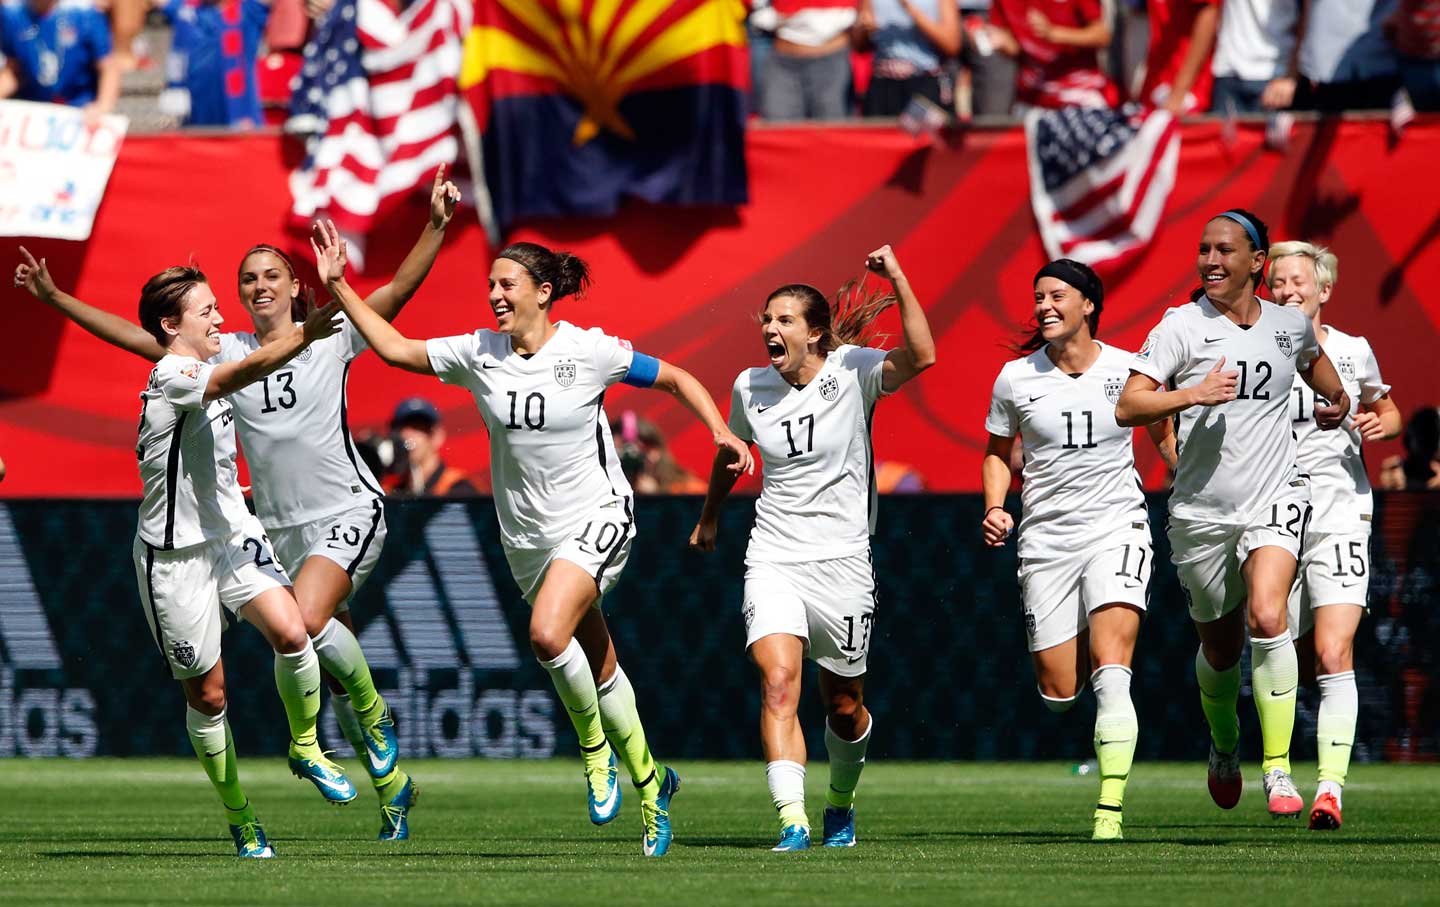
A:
1327, 266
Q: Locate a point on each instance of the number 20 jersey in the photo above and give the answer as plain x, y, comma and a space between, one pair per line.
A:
1235, 458
817, 498
1080, 481
552, 457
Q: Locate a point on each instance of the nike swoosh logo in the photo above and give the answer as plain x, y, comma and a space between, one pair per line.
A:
851, 661
609, 803
219, 752
1132, 585
1348, 585
490, 365
761, 409
376, 765
1213, 339
1279, 693
1109, 742
333, 785
312, 692
1338, 743
1033, 398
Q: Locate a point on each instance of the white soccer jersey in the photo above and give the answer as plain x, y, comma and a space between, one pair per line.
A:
292, 422
186, 449
552, 459
817, 498
1339, 488
1237, 457
1080, 478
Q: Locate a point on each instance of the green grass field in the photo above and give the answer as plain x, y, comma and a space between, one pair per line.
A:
149, 831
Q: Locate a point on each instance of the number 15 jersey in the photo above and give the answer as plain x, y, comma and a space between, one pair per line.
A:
817, 497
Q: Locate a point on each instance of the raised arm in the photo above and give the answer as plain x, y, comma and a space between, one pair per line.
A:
389, 344
918, 352
1095, 35
229, 377
996, 524
391, 298
1325, 381
35, 278
1142, 402
1202, 41
683, 386
943, 31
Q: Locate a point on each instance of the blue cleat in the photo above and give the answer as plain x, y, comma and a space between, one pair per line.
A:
793, 838
382, 747
395, 815
328, 778
656, 816
839, 826
250, 842
603, 784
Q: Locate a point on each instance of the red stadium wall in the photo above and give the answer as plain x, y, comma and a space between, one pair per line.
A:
684, 284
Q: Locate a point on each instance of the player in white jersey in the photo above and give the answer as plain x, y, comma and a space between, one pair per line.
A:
1085, 552
200, 558
313, 493
1239, 505
1329, 595
566, 512
809, 580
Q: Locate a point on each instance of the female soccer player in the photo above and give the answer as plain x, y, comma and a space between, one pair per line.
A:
1329, 598
1239, 507
1085, 554
326, 516
809, 583
198, 552
565, 509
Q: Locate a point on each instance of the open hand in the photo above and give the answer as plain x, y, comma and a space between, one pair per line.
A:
329, 251
323, 322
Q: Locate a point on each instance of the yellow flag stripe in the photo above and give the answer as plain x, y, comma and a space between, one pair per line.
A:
488, 49
709, 25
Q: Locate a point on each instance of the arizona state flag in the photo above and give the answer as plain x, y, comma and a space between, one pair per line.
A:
581, 102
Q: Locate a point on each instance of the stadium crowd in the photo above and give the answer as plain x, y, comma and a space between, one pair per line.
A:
234, 62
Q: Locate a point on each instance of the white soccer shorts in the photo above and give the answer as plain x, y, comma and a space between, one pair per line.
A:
1334, 570
352, 539
829, 604
1058, 594
599, 545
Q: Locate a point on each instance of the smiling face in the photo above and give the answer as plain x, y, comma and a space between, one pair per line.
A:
1293, 283
515, 298
1226, 261
268, 287
788, 337
197, 331
1061, 311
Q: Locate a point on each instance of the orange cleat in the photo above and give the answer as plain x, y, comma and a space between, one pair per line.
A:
1325, 814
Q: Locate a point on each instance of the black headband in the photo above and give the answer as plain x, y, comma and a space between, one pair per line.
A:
1086, 282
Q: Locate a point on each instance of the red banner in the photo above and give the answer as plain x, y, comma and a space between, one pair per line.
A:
684, 284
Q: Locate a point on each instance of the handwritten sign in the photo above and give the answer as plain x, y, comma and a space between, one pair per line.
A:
54, 168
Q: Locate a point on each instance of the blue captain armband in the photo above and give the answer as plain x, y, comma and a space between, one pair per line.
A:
643, 371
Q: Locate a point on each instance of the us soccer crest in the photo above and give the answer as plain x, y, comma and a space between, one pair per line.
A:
183, 653
1113, 386
1282, 340
830, 388
749, 613
303, 355
565, 374
1347, 368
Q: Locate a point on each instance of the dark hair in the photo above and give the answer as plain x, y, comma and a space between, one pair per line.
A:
163, 296
297, 302
847, 317
1085, 281
1262, 232
1422, 439
567, 274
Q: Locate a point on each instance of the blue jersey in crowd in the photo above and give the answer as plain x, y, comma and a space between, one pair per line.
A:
213, 57
56, 54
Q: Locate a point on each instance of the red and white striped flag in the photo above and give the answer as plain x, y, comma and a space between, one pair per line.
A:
1099, 178
378, 95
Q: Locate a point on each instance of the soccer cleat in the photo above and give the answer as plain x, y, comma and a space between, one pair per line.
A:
1108, 825
839, 826
382, 747
792, 838
1225, 781
250, 842
395, 815
1325, 814
602, 783
656, 816
1282, 799
328, 778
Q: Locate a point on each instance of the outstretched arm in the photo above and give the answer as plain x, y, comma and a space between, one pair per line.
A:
35, 278
683, 386
389, 344
391, 298
229, 377
918, 353
996, 524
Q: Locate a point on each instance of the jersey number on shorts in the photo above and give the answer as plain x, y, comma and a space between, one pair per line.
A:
605, 537
1262, 377
1070, 431
261, 560
351, 538
1125, 564
284, 392
809, 436
1357, 559
1295, 524
865, 620
534, 411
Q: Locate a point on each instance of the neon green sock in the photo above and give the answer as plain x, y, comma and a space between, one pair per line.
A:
575, 685
847, 761
214, 747
391, 785
621, 721
1335, 725
1274, 676
297, 679
1116, 730
793, 814
1219, 696
340, 655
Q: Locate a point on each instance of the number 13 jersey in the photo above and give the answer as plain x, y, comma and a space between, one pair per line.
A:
552, 458
817, 497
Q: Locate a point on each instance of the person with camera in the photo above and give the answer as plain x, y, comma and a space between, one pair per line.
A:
417, 468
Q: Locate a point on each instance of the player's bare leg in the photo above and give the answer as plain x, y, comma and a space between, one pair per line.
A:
780, 658
847, 737
1269, 573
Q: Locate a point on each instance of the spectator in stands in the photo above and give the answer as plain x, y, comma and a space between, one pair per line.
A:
1345, 61
1256, 55
1057, 46
989, 75
127, 20
1177, 70
417, 422
1419, 468
1414, 30
58, 53
211, 78
646, 459
912, 39
807, 73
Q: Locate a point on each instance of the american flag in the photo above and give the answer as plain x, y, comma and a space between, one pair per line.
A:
377, 97
1099, 178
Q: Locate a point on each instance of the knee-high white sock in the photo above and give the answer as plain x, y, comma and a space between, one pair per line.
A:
620, 720
297, 678
1116, 730
570, 672
1274, 677
787, 791
1335, 728
847, 761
